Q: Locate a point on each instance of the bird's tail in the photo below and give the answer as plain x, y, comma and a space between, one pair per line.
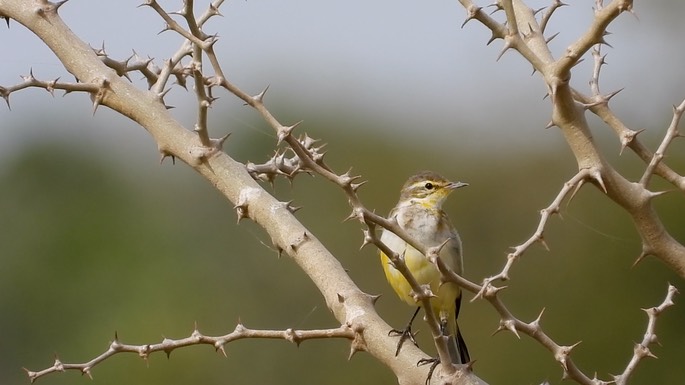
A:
458, 350
456, 344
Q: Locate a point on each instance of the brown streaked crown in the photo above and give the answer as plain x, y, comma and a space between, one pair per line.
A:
423, 184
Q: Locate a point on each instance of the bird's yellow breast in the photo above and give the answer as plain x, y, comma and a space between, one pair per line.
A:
423, 271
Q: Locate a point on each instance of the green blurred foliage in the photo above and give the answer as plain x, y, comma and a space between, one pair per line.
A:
89, 247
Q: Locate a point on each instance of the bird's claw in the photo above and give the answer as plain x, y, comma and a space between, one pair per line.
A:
434, 363
404, 335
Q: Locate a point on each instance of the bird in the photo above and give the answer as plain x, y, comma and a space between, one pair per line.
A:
419, 213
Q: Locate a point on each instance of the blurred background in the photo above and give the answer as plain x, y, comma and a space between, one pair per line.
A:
96, 236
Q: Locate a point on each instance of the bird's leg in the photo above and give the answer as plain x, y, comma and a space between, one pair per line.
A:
434, 362
443, 325
405, 334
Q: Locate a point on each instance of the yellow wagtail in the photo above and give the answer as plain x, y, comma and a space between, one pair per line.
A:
419, 213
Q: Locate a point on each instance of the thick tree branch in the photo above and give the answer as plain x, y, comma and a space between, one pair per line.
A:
604, 15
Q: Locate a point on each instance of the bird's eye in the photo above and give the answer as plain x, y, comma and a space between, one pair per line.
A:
429, 186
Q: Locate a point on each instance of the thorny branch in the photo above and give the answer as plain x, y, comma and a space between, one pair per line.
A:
50, 86
168, 345
547, 14
599, 105
671, 133
641, 349
567, 190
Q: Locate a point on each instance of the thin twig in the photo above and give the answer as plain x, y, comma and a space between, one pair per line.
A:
196, 338
569, 188
547, 14
30, 81
671, 133
641, 349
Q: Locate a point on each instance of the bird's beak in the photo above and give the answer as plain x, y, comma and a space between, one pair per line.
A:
456, 185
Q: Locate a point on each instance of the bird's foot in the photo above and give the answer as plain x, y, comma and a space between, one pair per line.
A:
434, 362
404, 335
